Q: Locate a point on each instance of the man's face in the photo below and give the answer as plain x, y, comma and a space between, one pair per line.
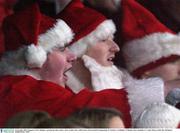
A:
168, 71
103, 52
58, 62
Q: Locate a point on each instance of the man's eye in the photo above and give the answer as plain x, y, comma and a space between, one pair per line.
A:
62, 48
104, 40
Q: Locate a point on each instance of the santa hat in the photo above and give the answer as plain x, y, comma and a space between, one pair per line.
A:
36, 33
159, 115
147, 42
88, 25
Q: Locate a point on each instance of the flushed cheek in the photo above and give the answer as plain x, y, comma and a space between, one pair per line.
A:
56, 65
52, 72
169, 75
53, 69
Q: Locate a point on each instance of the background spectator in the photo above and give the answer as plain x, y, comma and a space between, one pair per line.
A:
98, 117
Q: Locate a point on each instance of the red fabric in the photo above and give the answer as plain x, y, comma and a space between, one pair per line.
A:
178, 126
23, 28
23, 93
5, 10
138, 22
81, 19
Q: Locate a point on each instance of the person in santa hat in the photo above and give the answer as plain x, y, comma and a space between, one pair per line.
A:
150, 48
95, 49
33, 70
159, 115
112, 10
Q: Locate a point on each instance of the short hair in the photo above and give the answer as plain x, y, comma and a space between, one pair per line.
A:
40, 119
29, 119
95, 117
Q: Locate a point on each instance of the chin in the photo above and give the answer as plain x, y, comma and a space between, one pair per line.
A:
110, 64
62, 84
107, 65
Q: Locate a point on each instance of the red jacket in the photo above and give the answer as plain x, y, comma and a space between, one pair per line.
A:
23, 93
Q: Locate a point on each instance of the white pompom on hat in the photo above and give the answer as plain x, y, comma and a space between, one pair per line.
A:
159, 115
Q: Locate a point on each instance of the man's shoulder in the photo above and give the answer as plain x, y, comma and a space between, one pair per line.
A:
29, 84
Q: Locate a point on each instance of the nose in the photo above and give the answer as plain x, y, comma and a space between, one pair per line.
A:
71, 57
114, 47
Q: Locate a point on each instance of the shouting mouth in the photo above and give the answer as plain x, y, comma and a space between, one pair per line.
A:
110, 60
65, 77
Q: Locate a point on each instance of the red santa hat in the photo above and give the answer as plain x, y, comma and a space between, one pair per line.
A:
159, 115
147, 42
36, 33
88, 25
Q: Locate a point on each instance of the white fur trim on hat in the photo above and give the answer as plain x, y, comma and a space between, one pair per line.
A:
150, 48
159, 115
57, 36
103, 31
